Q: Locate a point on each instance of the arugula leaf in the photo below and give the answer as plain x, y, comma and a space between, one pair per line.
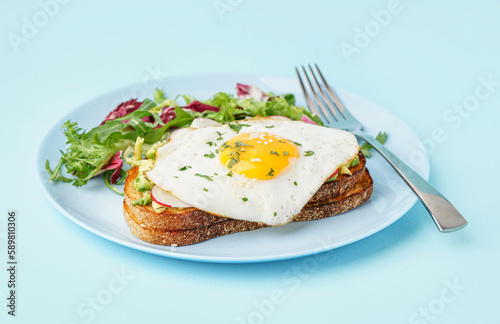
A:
107, 181
365, 147
147, 105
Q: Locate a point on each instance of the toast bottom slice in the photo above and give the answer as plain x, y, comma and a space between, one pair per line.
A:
352, 199
179, 219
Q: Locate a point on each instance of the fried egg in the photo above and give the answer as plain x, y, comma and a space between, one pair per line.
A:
260, 170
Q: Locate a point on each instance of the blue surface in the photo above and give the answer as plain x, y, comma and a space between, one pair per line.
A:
429, 59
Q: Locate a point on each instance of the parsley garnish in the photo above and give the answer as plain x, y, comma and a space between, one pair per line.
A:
232, 163
210, 143
272, 126
225, 146
184, 168
235, 158
275, 214
285, 153
296, 143
271, 173
230, 174
205, 189
239, 144
275, 153
295, 182
210, 156
237, 127
309, 153
244, 199
280, 141
204, 176
220, 136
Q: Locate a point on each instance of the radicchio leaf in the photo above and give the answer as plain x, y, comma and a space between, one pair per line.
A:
249, 91
115, 163
123, 109
200, 107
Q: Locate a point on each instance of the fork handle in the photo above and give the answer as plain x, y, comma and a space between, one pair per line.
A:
446, 217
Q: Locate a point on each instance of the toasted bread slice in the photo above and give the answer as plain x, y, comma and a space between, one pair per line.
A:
352, 198
175, 219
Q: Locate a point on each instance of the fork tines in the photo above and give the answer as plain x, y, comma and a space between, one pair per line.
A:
329, 103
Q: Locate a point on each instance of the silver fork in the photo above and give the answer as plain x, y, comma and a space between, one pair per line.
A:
446, 217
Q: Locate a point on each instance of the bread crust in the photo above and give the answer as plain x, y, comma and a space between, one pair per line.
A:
354, 197
175, 219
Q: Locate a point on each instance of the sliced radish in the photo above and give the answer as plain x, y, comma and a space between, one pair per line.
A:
333, 174
204, 122
308, 120
165, 198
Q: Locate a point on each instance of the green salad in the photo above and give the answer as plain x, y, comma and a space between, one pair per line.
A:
105, 148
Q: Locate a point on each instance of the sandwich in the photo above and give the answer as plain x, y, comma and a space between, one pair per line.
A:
213, 179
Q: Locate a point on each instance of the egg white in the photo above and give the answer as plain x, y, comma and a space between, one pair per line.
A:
273, 202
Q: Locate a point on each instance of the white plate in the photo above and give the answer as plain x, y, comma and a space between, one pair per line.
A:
99, 210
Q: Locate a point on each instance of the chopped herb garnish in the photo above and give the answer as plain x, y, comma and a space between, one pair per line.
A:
280, 141
271, 173
272, 126
295, 182
204, 176
296, 143
275, 213
216, 174
175, 176
275, 153
230, 174
210, 156
285, 153
184, 168
244, 199
205, 189
231, 163
238, 144
309, 153
237, 127
217, 151
210, 143
235, 158
220, 136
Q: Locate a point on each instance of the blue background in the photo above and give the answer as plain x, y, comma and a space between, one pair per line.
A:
420, 61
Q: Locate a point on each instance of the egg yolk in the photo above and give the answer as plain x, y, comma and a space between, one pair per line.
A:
258, 155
